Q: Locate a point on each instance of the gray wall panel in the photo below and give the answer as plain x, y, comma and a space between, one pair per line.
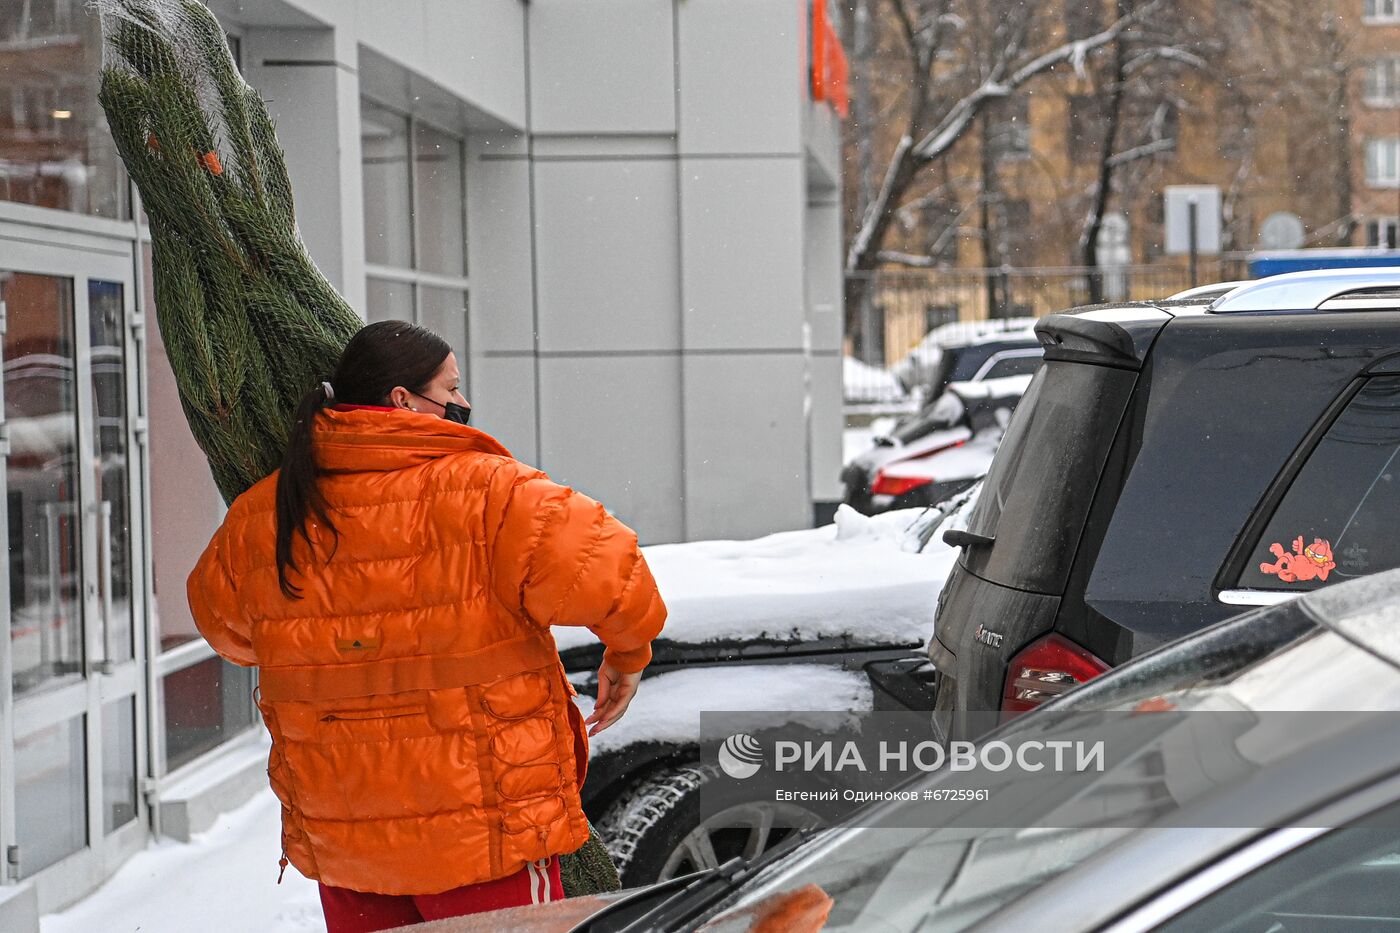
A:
823, 272
741, 239
303, 101
826, 427
604, 66
747, 51
606, 240
745, 445
499, 247
502, 394
610, 429
489, 72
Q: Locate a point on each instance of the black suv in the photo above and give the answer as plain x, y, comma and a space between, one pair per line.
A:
1169, 464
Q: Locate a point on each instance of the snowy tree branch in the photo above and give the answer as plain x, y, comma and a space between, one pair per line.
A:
960, 115
1165, 53
908, 259
860, 243
1147, 150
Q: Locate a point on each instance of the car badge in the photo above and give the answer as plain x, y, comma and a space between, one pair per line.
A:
986, 636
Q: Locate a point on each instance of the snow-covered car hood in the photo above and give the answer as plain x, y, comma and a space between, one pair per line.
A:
667, 707
861, 579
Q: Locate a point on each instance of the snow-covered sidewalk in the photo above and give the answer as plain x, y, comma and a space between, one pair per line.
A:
224, 880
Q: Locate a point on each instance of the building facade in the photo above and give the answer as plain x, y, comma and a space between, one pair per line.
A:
1375, 117
625, 216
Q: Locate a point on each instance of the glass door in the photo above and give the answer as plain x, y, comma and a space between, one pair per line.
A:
73, 668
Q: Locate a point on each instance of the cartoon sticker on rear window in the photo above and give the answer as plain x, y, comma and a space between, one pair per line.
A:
1313, 562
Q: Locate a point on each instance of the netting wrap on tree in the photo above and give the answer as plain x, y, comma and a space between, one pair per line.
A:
249, 322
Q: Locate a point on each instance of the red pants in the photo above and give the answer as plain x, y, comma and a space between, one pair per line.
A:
356, 912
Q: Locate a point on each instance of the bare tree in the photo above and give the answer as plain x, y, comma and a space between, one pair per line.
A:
955, 74
1144, 68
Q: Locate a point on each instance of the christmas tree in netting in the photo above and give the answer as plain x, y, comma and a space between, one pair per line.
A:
249, 323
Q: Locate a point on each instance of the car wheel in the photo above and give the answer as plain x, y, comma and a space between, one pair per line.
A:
655, 830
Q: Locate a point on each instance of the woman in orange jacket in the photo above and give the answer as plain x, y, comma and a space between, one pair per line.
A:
395, 583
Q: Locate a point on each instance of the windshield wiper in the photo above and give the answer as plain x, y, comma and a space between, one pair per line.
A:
701, 891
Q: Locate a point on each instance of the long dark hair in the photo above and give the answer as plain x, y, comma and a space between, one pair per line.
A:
378, 358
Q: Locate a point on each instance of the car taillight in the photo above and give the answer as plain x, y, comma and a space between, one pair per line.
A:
1043, 671
897, 485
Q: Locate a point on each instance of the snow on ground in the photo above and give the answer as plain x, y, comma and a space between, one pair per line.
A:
851, 578
225, 879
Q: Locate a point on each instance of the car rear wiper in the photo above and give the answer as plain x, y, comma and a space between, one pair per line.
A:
957, 537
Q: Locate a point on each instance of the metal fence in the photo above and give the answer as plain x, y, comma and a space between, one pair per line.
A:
902, 306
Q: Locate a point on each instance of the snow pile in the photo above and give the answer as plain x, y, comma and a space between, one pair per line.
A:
224, 879
667, 707
854, 579
866, 383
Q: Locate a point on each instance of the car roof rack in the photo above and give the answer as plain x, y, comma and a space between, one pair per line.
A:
1316, 290
1207, 292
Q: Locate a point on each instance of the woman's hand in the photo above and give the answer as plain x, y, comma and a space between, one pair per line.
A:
615, 691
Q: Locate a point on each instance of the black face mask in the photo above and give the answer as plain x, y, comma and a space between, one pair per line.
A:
458, 413
451, 411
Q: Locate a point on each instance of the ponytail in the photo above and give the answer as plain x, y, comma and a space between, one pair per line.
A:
379, 357
298, 494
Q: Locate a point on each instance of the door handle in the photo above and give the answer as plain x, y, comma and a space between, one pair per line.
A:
103, 510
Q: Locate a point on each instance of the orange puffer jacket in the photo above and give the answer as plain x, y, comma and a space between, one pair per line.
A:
423, 732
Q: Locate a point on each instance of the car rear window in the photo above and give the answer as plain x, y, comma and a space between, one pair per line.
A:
1338, 519
1043, 478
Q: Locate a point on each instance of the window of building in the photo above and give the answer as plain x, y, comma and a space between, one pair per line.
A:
1383, 231
415, 224
1381, 9
1009, 133
1338, 518
1016, 231
205, 705
1234, 131
1383, 162
936, 315
939, 219
1083, 18
1086, 121
55, 150
1383, 82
